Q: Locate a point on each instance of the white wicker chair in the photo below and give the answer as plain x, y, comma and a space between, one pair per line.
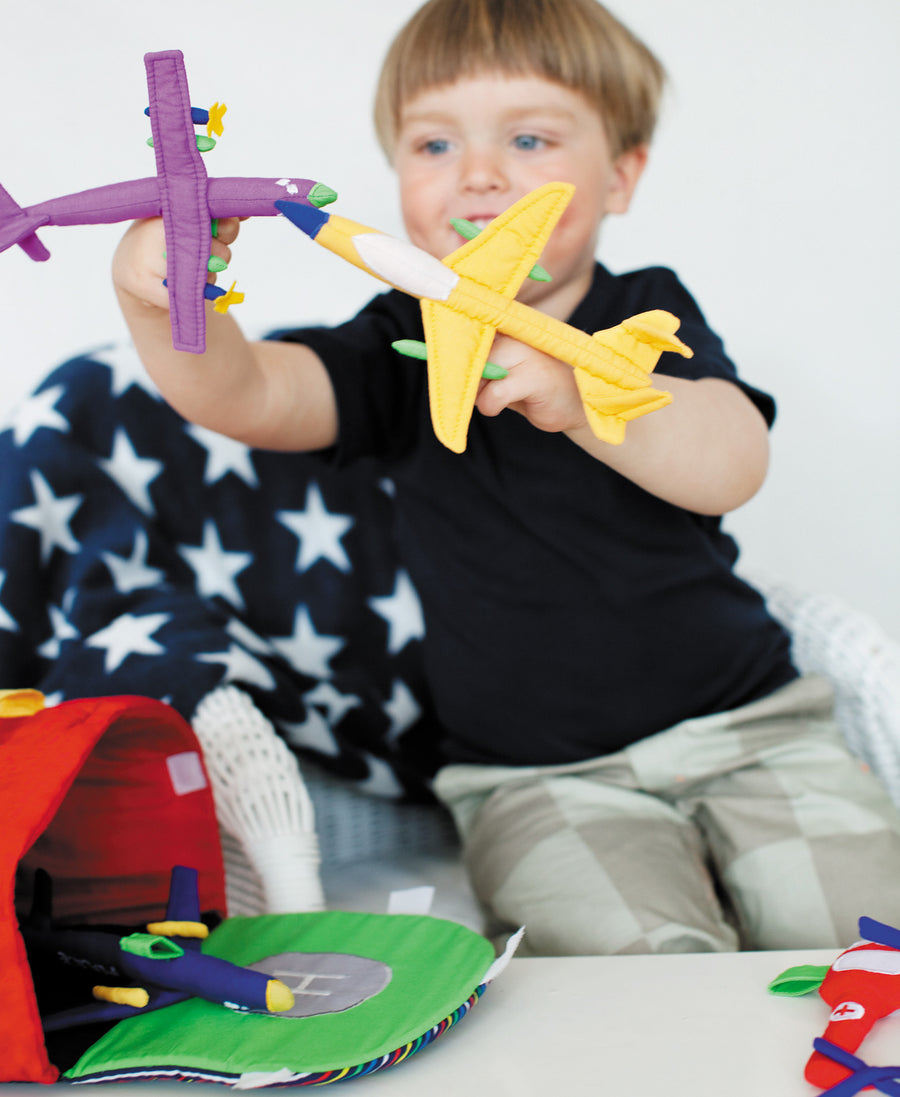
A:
275, 824
266, 819
276, 827
861, 661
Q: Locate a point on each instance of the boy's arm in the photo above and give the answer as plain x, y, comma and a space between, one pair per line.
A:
269, 395
707, 451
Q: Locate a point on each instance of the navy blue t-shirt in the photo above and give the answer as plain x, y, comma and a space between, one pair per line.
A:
568, 612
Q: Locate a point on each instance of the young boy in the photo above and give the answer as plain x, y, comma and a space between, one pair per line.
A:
632, 760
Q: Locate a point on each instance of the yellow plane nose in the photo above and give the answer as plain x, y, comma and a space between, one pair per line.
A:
278, 996
122, 996
20, 702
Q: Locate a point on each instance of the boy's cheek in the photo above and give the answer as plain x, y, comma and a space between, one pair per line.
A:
418, 207
430, 229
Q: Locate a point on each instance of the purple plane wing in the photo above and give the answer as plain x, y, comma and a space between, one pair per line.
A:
236, 196
183, 197
126, 201
17, 227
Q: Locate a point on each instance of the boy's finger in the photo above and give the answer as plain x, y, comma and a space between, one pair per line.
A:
227, 229
494, 396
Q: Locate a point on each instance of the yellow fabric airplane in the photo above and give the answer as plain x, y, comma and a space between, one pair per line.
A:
470, 295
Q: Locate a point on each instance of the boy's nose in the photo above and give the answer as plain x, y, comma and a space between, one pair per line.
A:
482, 171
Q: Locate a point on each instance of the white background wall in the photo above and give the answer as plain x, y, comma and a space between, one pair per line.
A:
773, 190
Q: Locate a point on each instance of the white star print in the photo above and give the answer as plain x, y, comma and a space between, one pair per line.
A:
133, 573
403, 709
126, 367
306, 650
314, 734
336, 704
38, 411
128, 635
247, 637
241, 666
318, 530
381, 780
403, 612
214, 568
6, 621
133, 474
100, 518
223, 455
50, 516
63, 630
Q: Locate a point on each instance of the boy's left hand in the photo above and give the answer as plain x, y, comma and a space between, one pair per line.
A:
541, 388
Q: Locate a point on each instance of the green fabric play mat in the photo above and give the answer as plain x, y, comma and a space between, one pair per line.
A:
369, 990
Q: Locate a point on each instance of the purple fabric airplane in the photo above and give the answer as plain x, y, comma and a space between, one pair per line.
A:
181, 192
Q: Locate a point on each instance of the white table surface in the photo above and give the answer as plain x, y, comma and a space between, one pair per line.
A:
631, 1026
701, 1025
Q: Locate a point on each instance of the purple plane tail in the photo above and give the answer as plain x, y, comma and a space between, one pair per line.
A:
17, 227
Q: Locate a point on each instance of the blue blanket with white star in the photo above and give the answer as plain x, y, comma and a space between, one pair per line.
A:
140, 554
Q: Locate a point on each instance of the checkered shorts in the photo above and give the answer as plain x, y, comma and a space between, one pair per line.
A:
754, 828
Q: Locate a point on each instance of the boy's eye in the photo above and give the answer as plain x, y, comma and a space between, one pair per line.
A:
436, 146
528, 141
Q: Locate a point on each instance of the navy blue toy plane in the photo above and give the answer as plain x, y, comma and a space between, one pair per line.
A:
150, 970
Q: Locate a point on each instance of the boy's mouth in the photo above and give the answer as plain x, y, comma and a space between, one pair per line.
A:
481, 220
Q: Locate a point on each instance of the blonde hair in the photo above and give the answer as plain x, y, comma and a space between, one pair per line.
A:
575, 43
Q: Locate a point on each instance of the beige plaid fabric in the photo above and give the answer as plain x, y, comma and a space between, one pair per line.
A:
750, 829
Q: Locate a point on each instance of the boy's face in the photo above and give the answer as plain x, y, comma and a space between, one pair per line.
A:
472, 148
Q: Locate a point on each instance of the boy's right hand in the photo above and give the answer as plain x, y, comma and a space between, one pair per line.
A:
139, 263
268, 395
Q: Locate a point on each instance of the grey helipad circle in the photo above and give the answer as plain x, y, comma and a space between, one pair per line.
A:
325, 982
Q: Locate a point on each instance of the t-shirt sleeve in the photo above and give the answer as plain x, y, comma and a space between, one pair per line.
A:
661, 288
375, 387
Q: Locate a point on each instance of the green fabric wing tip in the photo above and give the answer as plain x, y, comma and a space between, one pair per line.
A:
151, 946
412, 348
415, 348
797, 981
321, 195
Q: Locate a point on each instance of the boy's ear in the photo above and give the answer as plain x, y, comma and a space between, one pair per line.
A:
627, 170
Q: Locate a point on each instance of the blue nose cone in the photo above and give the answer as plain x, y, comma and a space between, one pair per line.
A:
307, 218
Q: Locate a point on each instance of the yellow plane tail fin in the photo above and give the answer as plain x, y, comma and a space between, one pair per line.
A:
609, 408
655, 331
634, 346
637, 343
503, 254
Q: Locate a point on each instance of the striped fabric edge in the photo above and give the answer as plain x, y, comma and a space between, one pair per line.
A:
317, 1078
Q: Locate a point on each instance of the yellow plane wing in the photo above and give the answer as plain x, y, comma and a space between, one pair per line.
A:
458, 348
500, 257
503, 253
